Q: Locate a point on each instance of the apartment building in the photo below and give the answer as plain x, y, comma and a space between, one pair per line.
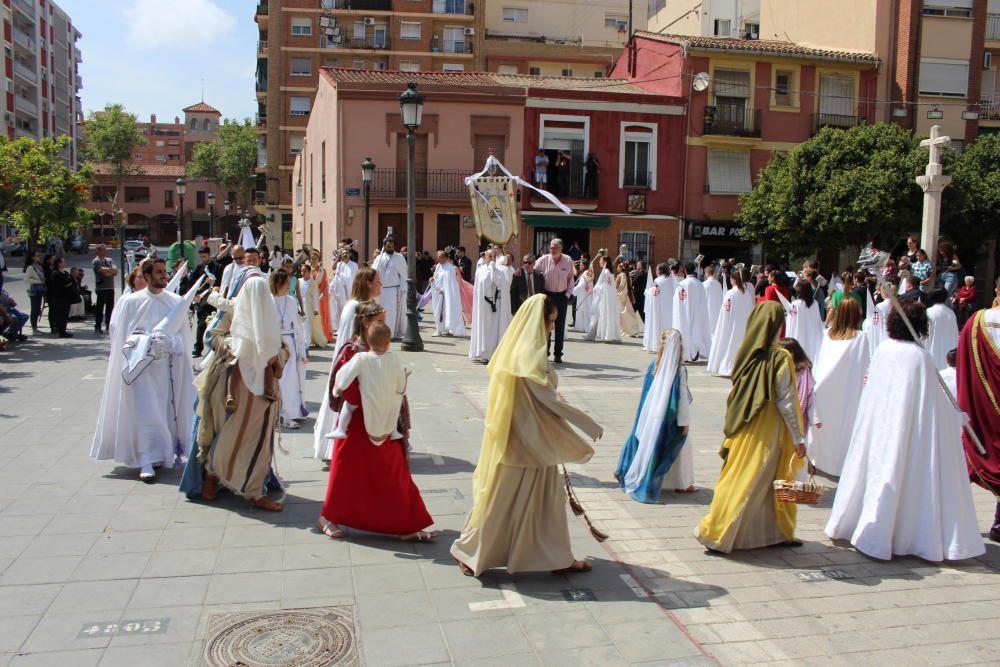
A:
298, 37
149, 200
706, 18
40, 73
989, 92
580, 38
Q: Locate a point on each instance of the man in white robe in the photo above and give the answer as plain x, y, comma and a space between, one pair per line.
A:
905, 487
659, 308
391, 268
490, 309
942, 332
146, 421
691, 315
446, 299
340, 287
874, 325
714, 294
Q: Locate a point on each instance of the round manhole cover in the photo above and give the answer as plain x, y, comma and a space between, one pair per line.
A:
295, 637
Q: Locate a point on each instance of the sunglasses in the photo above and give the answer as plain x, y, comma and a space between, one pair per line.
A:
239, 258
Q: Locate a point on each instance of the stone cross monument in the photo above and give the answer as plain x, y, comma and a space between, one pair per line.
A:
933, 182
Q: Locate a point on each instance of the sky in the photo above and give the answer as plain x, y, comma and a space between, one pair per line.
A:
155, 56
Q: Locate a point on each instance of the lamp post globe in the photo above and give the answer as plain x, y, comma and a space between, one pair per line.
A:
211, 214
367, 174
411, 107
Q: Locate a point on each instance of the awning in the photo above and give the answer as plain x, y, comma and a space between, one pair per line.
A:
567, 221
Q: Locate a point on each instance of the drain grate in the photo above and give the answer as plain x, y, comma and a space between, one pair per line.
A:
288, 638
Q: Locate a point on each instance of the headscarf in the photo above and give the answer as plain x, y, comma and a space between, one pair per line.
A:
256, 332
759, 361
522, 354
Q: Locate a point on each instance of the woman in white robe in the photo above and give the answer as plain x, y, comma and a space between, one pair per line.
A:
713, 295
840, 377
874, 327
584, 293
737, 305
490, 309
942, 330
340, 286
605, 315
803, 322
905, 486
631, 323
447, 301
293, 376
659, 308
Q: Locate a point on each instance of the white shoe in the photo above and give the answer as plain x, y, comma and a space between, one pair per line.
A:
289, 424
147, 475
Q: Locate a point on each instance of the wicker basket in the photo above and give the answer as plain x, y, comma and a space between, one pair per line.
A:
803, 493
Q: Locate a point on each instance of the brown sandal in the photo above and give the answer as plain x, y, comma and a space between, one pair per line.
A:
578, 566
466, 570
266, 504
210, 488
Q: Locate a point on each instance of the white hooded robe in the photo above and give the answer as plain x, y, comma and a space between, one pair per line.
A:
942, 333
659, 311
691, 318
490, 310
730, 330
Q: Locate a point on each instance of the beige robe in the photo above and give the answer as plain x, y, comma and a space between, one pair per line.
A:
525, 526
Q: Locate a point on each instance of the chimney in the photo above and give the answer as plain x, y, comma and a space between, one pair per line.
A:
177, 120
152, 119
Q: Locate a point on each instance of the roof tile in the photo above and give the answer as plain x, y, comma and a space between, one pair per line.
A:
104, 169
201, 107
758, 47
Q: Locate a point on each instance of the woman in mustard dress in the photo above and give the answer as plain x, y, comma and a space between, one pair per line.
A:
764, 441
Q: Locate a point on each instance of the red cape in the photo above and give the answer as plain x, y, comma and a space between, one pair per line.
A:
978, 377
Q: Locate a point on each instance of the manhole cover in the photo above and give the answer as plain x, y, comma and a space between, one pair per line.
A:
291, 637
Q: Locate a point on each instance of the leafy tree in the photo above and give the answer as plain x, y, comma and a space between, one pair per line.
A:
971, 205
39, 192
231, 160
111, 136
840, 188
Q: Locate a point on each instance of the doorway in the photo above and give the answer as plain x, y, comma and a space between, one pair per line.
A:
449, 227
544, 235
398, 223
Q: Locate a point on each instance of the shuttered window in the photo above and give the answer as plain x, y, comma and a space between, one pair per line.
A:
728, 172
732, 83
944, 77
836, 95
482, 143
300, 106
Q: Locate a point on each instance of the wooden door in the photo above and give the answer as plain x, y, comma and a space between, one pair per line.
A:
398, 223
449, 227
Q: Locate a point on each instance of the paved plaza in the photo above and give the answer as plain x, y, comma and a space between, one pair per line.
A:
97, 568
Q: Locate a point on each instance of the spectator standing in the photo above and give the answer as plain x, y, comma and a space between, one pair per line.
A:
37, 287
541, 170
464, 264
923, 270
557, 270
62, 293
104, 287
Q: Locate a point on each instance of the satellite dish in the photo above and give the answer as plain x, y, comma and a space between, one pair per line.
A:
700, 81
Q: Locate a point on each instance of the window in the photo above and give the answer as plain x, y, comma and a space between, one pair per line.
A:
615, 21
598, 74
330, 62
836, 96
655, 6
535, 71
168, 198
206, 125
300, 106
137, 156
783, 83
199, 199
193, 124
173, 156
409, 66
959, 8
722, 28
948, 78
452, 67
380, 36
728, 172
638, 245
507, 69
295, 145
302, 27
567, 71
161, 144
515, 14
448, 7
301, 66
751, 31
638, 156
160, 157
409, 30
454, 40
359, 64
359, 31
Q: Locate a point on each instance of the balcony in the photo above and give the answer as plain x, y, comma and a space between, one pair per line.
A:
25, 105
451, 7
25, 72
732, 120
262, 48
989, 107
428, 184
373, 5
25, 6
457, 47
25, 40
821, 120
260, 197
993, 27
380, 42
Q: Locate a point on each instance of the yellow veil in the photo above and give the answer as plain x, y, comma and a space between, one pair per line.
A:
522, 353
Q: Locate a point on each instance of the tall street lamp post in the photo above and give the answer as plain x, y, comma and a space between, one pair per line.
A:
226, 205
181, 189
411, 106
367, 173
211, 214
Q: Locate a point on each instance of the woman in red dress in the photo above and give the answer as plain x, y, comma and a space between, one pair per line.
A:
323, 287
777, 283
370, 486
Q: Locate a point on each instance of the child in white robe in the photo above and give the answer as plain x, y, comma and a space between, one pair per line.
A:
383, 383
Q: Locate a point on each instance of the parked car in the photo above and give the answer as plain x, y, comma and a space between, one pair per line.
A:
137, 249
78, 244
15, 248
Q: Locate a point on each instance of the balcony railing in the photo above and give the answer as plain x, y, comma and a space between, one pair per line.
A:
25, 105
379, 42
989, 107
428, 184
993, 27
26, 72
26, 7
24, 39
261, 9
262, 47
821, 120
451, 7
457, 47
732, 120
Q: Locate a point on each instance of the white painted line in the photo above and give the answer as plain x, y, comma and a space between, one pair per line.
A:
92, 376
630, 581
511, 600
435, 455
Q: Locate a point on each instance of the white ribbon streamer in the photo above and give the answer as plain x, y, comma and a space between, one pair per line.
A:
492, 161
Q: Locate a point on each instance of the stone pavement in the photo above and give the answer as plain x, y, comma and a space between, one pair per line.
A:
99, 569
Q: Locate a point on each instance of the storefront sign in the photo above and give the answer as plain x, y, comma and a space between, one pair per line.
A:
707, 229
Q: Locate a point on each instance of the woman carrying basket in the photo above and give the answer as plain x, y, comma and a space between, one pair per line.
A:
764, 442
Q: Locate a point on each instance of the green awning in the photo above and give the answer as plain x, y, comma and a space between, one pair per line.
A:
567, 221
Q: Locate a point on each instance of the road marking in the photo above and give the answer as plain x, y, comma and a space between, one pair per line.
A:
92, 376
511, 600
630, 581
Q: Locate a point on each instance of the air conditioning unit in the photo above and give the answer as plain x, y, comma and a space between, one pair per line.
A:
469, 32
8, 118
369, 20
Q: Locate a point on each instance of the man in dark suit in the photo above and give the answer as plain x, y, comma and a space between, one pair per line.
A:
464, 264
913, 292
526, 283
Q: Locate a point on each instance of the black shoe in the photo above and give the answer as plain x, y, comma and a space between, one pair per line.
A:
65, 334
196, 354
20, 338
558, 360
97, 330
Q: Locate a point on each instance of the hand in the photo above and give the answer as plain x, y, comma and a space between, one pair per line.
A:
304, 360
215, 289
684, 430
800, 450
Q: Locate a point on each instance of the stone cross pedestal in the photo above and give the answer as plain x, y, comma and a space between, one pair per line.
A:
933, 182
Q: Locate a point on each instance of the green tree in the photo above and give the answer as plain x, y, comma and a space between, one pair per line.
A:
971, 205
840, 188
231, 160
39, 192
111, 136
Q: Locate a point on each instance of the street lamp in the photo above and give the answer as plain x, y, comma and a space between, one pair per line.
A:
367, 173
181, 189
211, 214
227, 205
411, 106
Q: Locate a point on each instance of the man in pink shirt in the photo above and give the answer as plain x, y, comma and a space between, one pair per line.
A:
557, 269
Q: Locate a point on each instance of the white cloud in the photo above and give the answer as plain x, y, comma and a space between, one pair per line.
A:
177, 24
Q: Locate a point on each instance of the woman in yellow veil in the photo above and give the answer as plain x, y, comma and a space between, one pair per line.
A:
764, 441
518, 518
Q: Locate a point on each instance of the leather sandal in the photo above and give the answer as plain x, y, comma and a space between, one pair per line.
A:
578, 566
266, 504
210, 488
330, 529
